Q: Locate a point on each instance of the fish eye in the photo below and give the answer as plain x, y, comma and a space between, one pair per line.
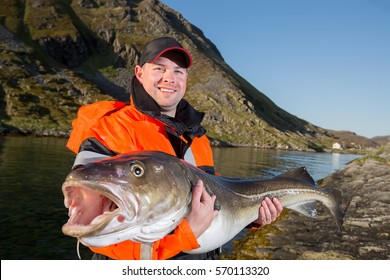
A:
137, 170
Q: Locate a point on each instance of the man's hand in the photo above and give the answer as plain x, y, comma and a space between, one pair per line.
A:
202, 210
268, 212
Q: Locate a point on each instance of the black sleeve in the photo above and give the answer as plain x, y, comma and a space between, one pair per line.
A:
93, 145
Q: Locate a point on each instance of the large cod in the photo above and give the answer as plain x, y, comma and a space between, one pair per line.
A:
143, 196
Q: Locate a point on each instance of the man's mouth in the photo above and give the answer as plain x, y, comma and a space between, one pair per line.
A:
167, 90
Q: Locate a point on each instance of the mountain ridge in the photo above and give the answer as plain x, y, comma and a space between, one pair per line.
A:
60, 55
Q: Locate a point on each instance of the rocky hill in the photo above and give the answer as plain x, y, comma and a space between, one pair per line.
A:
382, 140
349, 140
58, 55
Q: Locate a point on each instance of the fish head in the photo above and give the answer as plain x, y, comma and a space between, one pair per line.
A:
139, 196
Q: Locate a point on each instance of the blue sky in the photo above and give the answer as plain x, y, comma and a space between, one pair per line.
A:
325, 61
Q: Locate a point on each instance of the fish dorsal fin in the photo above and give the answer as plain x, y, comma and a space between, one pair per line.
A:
300, 174
309, 209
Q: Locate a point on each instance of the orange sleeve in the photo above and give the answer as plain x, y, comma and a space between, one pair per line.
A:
202, 151
126, 250
87, 116
183, 239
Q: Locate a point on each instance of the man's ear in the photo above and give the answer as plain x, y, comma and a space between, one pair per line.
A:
138, 73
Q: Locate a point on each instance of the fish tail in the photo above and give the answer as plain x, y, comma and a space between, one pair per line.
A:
335, 209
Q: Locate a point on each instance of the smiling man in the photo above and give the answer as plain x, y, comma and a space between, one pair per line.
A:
165, 80
159, 119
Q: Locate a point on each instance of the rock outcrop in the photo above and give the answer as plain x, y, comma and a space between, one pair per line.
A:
365, 184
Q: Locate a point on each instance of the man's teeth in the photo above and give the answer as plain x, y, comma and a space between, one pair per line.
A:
167, 90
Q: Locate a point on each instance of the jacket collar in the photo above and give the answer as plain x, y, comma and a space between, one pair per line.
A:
186, 121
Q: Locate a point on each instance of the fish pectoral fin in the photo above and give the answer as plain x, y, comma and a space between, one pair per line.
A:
309, 209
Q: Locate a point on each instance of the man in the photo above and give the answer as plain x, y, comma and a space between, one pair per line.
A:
158, 118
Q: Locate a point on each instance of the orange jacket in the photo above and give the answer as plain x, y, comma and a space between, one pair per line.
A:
122, 128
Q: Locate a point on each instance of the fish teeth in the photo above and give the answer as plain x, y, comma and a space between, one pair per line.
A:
99, 219
73, 212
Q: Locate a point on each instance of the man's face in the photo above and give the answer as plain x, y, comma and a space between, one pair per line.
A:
165, 81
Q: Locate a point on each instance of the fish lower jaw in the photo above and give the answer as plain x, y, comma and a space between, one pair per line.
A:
75, 229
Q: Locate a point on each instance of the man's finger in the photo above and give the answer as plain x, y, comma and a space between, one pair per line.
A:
262, 216
272, 210
197, 192
266, 211
278, 205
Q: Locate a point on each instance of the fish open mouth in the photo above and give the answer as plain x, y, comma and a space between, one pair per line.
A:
89, 210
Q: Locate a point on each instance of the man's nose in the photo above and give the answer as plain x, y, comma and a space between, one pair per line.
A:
168, 76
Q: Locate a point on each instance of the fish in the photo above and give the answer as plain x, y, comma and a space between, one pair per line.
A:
143, 196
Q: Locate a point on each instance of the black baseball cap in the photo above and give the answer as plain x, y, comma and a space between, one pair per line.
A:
155, 48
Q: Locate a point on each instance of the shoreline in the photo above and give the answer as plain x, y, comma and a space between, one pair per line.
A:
5, 132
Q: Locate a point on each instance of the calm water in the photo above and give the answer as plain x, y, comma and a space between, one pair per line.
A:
31, 202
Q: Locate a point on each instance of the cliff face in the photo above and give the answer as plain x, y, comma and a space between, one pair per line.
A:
58, 55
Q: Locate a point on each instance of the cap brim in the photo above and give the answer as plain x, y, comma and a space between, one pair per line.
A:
186, 55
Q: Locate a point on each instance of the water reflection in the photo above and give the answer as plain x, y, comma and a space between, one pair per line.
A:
31, 202
249, 162
335, 161
246, 162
